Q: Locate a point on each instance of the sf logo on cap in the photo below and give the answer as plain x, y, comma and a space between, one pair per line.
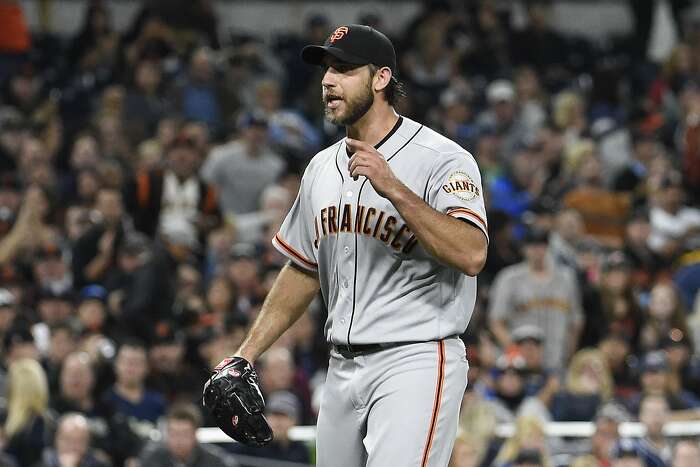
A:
339, 33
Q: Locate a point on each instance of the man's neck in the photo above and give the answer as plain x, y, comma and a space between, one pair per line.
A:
254, 150
539, 270
132, 393
374, 125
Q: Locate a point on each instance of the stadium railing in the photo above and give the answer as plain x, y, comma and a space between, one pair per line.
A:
558, 429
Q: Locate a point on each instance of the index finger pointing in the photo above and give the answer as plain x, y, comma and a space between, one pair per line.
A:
357, 144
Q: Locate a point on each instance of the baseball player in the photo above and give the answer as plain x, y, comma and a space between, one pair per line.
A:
390, 224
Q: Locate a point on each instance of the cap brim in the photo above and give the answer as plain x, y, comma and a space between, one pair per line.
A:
314, 55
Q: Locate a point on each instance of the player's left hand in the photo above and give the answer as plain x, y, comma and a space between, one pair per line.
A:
368, 162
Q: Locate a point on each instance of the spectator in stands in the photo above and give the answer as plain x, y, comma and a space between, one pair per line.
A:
278, 372
146, 102
589, 384
30, 229
289, 132
92, 313
529, 338
504, 117
241, 169
616, 347
54, 308
606, 434
18, 344
110, 432
220, 296
94, 254
71, 445
28, 422
200, 93
76, 384
686, 453
654, 414
129, 395
684, 366
530, 435
96, 32
170, 374
565, 236
242, 271
538, 44
664, 313
645, 263
508, 392
604, 212
619, 311
675, 226
63, 340
176, 197
52, 272
654, 381
538, 293
514, 191
181, 446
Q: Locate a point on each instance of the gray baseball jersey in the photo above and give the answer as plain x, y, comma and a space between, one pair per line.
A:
553, 305
377, 281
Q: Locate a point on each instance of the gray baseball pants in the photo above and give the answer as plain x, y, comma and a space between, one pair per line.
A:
398, 407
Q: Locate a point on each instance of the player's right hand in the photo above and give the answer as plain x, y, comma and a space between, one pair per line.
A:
369, 162
232, 395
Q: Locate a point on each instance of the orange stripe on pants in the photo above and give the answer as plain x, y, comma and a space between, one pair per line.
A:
436, 403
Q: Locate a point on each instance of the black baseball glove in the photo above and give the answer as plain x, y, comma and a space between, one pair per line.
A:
232, 395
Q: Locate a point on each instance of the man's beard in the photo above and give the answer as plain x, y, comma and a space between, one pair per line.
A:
356, 108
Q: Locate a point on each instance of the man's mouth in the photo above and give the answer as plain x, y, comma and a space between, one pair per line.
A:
332, 102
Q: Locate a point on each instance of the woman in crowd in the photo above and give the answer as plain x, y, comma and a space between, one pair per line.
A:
588, 385
529, 435
664, 313
28, 423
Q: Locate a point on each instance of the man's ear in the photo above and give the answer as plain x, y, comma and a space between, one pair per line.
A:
381, 79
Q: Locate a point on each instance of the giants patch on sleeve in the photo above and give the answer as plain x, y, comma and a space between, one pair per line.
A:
462, 186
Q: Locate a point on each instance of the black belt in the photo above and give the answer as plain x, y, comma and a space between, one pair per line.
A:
358, 350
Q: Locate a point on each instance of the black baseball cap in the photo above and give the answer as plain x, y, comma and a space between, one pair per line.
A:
356, 44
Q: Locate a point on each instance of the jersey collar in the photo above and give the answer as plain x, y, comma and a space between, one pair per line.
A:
386, 137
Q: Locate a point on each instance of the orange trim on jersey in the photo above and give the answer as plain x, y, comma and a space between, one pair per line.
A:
143, 187
295, 253
468, 212
436, 403
210, 200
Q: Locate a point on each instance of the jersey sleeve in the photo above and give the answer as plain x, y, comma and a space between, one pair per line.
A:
295, 239
454, 188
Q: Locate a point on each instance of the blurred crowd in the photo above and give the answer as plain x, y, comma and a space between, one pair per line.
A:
143, 173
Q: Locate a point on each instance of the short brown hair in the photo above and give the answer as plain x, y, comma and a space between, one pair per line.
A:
394, 91
185, 412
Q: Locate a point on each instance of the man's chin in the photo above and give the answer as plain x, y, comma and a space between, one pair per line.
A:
336, 118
